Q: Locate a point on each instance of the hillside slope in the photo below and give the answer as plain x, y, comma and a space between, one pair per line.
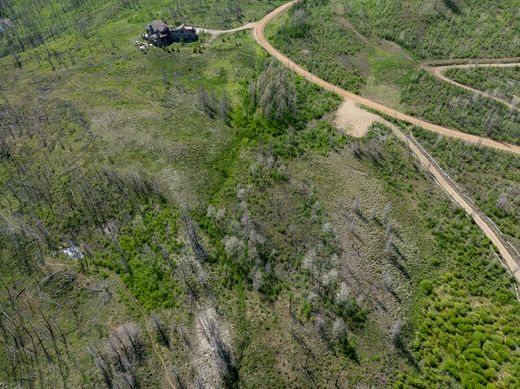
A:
189, 217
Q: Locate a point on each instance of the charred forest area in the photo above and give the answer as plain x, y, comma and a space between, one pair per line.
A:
193, 217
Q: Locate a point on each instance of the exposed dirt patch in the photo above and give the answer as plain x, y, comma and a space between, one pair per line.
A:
354, 120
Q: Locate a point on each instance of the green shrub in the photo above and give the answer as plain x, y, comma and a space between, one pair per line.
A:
426, 287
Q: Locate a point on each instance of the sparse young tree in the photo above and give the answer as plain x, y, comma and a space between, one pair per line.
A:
356, 206
386, 212
276, 92
396, 331
343, 293
339, 329
194, 239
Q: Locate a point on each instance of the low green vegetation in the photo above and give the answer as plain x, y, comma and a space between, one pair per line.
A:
491, 178
224, 224
441, 28
462, 332
144, 254
443, 103
383, 72
40, 23
301, 35
503, 82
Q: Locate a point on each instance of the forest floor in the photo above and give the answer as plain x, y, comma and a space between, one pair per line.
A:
133, 301
323, 203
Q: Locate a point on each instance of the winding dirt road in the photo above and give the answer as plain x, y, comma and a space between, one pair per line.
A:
259, 34
424, 158
438, 71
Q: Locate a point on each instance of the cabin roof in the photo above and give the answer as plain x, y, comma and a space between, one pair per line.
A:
159, 25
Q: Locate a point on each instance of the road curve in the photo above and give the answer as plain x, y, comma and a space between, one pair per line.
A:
425, 159
438, 71
259, 35
469, 61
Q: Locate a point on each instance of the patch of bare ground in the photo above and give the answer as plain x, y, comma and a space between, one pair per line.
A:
353, 120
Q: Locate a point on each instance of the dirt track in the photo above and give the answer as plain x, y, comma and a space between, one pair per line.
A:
451, 190
214, 33
469, 61
258, 32
438, 71
443, 181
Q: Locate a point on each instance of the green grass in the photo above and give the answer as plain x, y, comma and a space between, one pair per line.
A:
305, 43
381, 71
451, 106
117, 145
464, 335
38, 23
387, 67
461, 332
143, 150
80, 310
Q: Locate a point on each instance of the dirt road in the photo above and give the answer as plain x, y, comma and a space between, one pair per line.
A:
215, 33
258, 32
438, 71
443, 181
469, 61
456, 195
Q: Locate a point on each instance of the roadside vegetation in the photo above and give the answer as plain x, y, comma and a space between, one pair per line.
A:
503, 83
491, 178
457, 318
454, 107
301, 35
